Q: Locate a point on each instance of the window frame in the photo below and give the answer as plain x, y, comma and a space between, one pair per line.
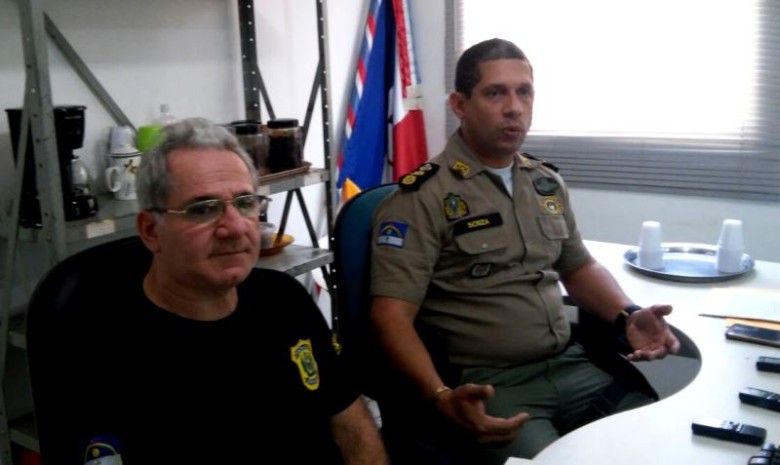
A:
744, 168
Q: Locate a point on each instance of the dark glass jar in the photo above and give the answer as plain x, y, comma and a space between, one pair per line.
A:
254, 141
285, 144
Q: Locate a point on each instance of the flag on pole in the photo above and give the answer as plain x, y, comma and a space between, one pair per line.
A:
386, 88
409, 145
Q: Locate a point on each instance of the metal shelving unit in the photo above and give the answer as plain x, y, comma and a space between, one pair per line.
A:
116, 219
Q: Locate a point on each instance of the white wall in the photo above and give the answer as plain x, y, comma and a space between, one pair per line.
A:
185, 53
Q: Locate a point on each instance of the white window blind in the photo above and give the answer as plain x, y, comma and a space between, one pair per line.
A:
674, 96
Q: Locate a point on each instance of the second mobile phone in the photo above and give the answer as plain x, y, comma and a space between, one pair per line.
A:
760, 398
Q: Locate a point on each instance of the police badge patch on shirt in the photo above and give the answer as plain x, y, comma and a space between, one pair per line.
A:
392, 233
552, 205
455, 207
302, 355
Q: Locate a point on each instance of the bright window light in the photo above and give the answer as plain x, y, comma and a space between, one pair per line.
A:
661, 68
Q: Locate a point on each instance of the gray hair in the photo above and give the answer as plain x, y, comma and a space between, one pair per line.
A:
153, 181
467, 69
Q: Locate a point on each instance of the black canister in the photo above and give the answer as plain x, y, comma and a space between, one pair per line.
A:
285, 144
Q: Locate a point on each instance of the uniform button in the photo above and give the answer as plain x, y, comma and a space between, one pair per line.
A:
484, 245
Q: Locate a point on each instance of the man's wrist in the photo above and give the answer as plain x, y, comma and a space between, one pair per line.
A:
438, 392
622, 318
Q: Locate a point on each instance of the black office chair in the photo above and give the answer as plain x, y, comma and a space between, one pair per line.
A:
61, 317
414, 433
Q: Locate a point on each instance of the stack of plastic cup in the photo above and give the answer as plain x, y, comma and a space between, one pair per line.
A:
651, 251
730, 247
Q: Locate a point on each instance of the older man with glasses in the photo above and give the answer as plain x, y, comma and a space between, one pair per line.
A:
241, 360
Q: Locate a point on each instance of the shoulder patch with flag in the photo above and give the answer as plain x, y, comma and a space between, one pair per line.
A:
392, 233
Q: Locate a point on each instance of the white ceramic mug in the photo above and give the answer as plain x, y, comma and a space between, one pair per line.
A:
120, 175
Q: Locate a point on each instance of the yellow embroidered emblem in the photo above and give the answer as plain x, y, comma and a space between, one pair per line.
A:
409, 179
461, 168
455, 207
334, 341
303, 356
413, 180
552, 205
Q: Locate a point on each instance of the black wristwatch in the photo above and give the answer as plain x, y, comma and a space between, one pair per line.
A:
622, 318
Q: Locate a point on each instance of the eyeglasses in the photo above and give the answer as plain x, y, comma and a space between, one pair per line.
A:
206, 211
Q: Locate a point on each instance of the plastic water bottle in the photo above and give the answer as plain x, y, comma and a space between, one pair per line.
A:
165, 117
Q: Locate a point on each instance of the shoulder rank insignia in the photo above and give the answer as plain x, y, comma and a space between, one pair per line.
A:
302, 355
546, 186
455, 207
413, 180
545, 163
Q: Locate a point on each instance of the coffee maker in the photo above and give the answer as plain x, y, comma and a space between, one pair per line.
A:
77, 199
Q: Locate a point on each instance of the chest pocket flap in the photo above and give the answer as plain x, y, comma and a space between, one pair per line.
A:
553, 227
480, 234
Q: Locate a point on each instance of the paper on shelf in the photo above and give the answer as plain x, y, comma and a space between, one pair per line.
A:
748, 304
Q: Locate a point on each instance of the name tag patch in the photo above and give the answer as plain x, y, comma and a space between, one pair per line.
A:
477, 223
392, 233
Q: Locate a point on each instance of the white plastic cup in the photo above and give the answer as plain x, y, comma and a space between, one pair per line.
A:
651, 251
730, 247
267, 235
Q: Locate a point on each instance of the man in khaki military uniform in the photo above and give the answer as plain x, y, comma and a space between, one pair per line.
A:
473, 246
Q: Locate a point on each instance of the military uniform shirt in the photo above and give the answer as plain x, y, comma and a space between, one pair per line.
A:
482, 264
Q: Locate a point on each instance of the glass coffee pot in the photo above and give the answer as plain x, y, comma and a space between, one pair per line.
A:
80, 199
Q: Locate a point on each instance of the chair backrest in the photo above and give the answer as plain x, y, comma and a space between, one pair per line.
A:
58, 319
411, 435
351, 266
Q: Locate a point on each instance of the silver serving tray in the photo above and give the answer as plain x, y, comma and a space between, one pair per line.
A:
694, 263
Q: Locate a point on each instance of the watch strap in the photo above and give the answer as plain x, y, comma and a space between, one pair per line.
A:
622, 318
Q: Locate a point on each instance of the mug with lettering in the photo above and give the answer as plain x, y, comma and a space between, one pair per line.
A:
120, 175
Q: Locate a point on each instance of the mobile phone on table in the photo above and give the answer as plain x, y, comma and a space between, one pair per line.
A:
729, 431
771, 364
765, 336
760, 398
